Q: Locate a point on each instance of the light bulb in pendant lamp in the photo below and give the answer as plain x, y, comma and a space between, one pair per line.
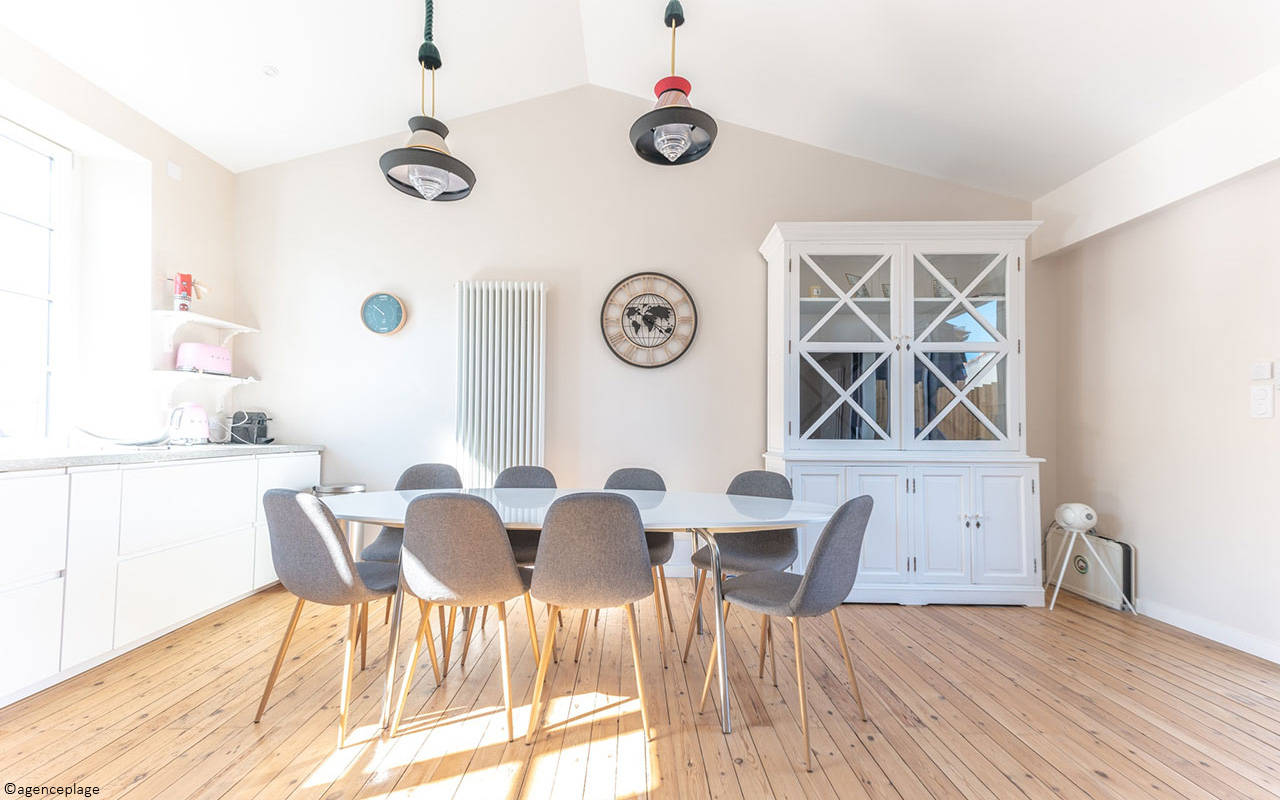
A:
674, 132
424, 167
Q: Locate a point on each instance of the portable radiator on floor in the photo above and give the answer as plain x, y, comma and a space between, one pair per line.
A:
1083, 576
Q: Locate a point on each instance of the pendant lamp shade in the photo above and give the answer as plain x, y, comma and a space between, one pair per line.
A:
674, 132
424, 167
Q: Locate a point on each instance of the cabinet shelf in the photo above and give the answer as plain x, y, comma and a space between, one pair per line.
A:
171, 321
171, 379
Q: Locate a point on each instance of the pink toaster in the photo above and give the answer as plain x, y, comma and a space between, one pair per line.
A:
196, 357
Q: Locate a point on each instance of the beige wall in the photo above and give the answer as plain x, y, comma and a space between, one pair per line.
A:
560, 197
1158, 323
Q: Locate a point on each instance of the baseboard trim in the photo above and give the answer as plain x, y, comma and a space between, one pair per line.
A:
1222, 634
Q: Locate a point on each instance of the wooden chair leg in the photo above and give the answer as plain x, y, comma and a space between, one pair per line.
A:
466, 638
693, 620
711, 664
657, 607
635, 658
666, 597
804, 706
275, 668
764, 632
848, 664
582, 631
533, 625
484, 617
447, 645
773, 654
386, 616
409, 670
506, 665
364, 635
548, 645
348, 666
425, 607
596, 623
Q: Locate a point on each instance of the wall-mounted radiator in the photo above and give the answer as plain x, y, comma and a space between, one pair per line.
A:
502, 344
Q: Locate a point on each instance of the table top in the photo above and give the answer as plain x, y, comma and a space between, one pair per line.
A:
524, 509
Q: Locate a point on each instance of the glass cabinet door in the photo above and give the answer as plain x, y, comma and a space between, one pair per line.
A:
961, 354
846, 362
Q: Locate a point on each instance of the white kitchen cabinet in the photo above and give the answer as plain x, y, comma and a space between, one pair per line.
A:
93, 543
285, 471
33, 528
896, 369
95, 560
32, 616
161, 589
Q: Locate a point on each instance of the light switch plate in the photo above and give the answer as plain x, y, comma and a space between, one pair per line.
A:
1260, 371
1262, 401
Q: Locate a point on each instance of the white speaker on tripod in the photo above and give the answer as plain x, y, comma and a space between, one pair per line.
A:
1078, 519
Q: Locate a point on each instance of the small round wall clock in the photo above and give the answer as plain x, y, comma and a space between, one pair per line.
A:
648, 319
383, 313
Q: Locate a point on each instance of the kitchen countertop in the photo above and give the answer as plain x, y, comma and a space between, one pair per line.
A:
60, 459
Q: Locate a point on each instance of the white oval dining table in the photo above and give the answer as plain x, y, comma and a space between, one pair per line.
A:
704, 514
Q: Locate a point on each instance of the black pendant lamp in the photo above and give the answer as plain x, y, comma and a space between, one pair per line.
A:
424, 168
674, 132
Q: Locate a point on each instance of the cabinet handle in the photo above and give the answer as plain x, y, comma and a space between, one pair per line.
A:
978, 523
915, 566
968, 524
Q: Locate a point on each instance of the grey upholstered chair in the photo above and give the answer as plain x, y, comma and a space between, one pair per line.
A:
747, 552
313, 561
826, 583
386, 547
456, 554
592, 555
524, 543
661, 545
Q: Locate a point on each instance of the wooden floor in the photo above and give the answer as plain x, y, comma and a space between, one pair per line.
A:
963, 702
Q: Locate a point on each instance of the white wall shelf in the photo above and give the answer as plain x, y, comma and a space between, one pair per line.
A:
171, 379
171, 321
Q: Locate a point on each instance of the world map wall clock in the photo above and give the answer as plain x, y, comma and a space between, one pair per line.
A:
648, 319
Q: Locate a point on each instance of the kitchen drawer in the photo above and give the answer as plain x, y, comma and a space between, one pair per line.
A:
158, 590
33, 527
32, 632
93, 538
288, 471
171, 503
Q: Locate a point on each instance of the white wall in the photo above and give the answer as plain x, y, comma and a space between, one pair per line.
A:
137, 226
560, 197
1158, 323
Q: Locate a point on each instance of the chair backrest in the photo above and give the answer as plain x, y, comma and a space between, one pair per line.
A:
763, 483
525, 478
833, 565
456, 552
760, 483
592, 553
636, 479
309, 550
429, 476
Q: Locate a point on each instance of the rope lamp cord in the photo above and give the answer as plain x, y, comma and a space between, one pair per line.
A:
429, 58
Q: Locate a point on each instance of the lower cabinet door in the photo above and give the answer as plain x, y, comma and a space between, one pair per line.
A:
1004, 544
815, 484
264, 569
33, 634
885, 547
941, 525
158, 590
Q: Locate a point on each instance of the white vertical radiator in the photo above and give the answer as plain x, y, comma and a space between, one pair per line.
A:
502, 345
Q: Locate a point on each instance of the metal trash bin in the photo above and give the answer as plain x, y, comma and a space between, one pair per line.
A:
355, 530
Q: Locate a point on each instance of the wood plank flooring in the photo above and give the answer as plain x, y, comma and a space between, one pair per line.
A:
963, 702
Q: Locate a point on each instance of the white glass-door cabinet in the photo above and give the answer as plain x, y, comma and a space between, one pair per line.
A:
896, 357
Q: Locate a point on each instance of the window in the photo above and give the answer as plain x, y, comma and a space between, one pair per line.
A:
30, 181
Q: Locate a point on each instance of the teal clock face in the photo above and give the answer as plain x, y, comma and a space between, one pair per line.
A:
382, 313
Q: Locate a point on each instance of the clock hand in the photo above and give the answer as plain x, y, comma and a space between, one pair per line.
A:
380, 311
